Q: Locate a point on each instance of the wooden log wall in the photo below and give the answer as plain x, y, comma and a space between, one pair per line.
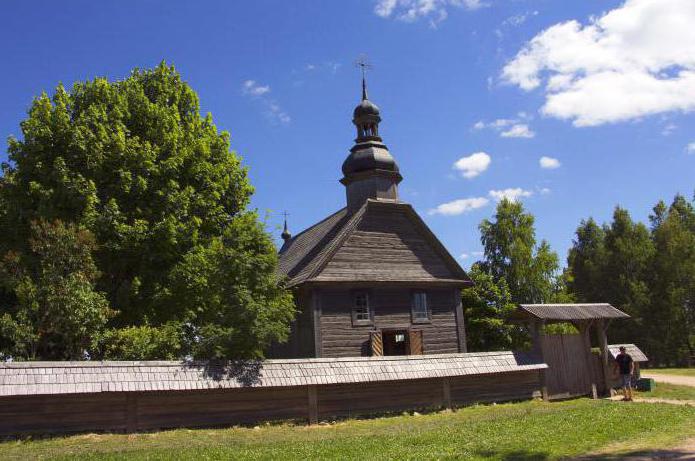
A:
139, 411
391, 308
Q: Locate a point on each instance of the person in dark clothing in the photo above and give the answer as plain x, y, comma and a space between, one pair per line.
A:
626, 366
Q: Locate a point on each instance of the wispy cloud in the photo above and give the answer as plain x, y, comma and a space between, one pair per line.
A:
516, 127
472, 165
252, 88
549, 163
690, 148
435, 11
261, 93
457, 207
513, 194
465, 205
633, 61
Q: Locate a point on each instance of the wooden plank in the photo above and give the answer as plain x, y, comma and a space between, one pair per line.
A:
313, 404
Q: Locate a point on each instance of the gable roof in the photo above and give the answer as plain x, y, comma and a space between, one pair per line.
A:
634, 351
304, 257
562, 312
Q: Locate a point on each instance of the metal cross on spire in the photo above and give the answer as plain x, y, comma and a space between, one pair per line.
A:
363, 64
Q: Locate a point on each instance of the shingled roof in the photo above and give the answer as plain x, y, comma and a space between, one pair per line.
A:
569, 312
387, 241
37, 378
634, 351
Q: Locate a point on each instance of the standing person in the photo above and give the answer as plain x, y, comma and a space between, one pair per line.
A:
626, 366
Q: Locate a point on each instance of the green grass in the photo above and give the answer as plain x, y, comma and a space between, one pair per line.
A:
670, 391
524, 431
671, 371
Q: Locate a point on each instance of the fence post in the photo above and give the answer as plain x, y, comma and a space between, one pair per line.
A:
313, 404
446, 393
131, 412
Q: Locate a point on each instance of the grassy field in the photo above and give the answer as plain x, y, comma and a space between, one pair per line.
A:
670, 391
671, 371
521, 431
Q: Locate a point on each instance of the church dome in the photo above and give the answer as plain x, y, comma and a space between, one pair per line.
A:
368, 157
366, 108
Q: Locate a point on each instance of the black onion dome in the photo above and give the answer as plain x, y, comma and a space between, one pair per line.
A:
366, 108
369, 156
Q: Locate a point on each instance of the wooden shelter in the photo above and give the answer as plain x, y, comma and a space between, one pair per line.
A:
371, 279
572, 368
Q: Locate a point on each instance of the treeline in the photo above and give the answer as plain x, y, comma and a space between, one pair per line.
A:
125, 233
647, 271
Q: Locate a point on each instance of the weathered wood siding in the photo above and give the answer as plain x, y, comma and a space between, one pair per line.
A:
386, 246
300, 342
137, 411
392, 309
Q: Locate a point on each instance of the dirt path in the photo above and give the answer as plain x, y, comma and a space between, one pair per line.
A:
682, 452
657, 400
671, 379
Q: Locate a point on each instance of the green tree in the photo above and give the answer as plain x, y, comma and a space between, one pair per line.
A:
134, 163
55, 310
671, 314
629, 250
586, 263
511, 254
488, 305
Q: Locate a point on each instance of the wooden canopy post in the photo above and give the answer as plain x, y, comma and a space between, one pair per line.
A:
535, 327
584, 328
601, 328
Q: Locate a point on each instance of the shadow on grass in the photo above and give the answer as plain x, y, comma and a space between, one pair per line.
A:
642, 455
519, 455
637, 455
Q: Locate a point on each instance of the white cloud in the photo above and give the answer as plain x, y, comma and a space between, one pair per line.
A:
460, 206
477, 254
519, 130
254, 89
545, 191
549, 163
509, 127
690, 148
473, 165
271, 108
412, 10
464, 256
510, 194
633, 61
668, 129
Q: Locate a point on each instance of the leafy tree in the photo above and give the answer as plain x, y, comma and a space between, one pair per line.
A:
55, 310
134, 163
671, 314
586, 263
629, 251
488, 305
144, 342
511, 254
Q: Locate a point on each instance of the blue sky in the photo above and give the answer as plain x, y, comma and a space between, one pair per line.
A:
473, 94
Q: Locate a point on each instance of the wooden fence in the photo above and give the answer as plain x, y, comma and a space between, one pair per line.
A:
137, 411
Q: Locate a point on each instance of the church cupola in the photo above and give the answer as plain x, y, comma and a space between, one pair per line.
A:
370, 172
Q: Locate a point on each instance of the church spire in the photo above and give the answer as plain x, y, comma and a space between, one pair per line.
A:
286, 233
370, 172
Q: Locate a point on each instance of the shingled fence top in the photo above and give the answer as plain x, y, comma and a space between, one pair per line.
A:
50, 378
569, 312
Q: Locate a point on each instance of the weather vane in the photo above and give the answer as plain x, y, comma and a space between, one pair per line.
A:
363, 64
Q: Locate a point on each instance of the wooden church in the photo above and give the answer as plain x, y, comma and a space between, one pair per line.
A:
371, 279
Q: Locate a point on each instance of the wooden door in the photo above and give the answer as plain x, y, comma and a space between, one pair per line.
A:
376, 343
568, 373
415, 341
